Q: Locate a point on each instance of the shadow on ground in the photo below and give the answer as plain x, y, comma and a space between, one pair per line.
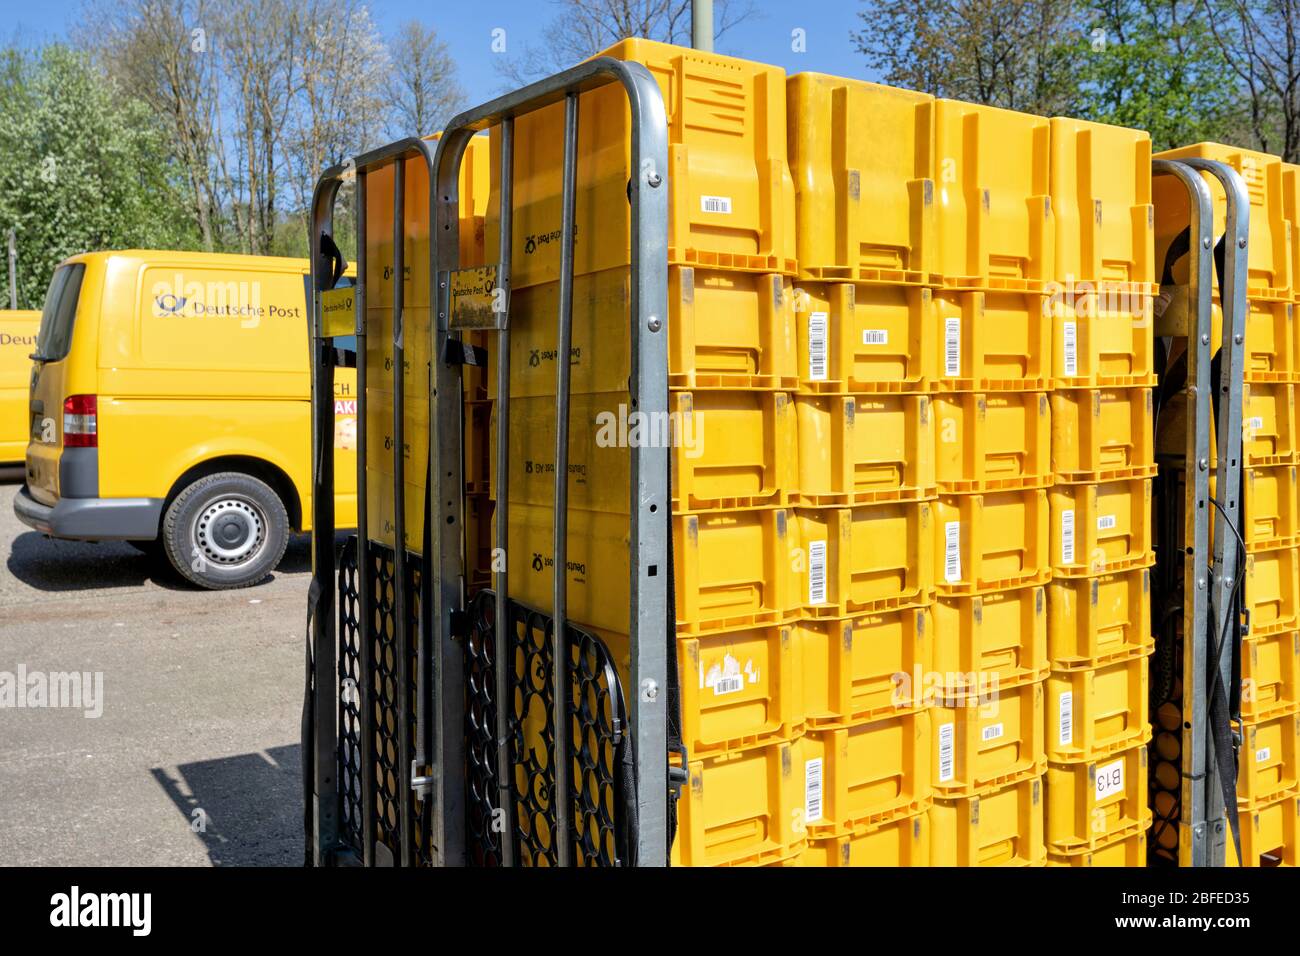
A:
247, 809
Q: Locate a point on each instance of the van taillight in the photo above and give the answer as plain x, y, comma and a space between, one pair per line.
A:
80, 422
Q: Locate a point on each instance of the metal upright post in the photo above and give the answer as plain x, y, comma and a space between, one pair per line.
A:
501, 579
365, 650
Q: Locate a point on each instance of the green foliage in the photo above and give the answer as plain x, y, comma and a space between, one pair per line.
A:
82, 168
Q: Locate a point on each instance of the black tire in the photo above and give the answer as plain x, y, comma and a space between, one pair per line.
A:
227, 530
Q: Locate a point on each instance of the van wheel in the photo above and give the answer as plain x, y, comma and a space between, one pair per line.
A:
226, 531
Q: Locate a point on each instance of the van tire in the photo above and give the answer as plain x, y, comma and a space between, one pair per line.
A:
227, 530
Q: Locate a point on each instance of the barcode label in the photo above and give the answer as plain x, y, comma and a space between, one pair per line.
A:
817, 347
728, 685
812, 791
1067, 536
1262, 755
1110, 779
952, 347
817, 572
991, 732
1106, 522
1071, 340
875, 336
1065, 730
952, 551
715, 204
945, 752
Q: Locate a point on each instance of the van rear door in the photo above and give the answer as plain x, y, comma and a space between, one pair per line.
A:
49, 386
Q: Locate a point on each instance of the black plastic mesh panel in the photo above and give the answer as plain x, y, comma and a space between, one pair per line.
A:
597, 736
349, 724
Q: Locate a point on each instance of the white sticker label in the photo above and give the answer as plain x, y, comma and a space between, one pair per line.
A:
952, 551
1067, 536
1106, 522
720, 204
1071, 341
991, 732
1262, 755
728, 685
812, 791
945, 752
875, 336
1110, 779
1065, 728
952, 347
817, 347
1255, 425
817, 572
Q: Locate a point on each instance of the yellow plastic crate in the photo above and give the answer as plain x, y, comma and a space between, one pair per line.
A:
733, 569
1269, 515
1266, 763
474, 378
990, 542
478, 540
1096, 711
1101, 528
381, 514
1268, 427
992, 340
1099, 620
1102, 434
864, 191
899, 843
1101, 200
1270, 835
987, 741
738, 689
1269, 249
990, 641
992, 171
726, 329
380, 437
1291, 211
864, 338
1003, 827
729, 449
1272, 347
864, 449
740, 808
1102, 339
1272, 591
1129, 851
866, 559
477, 438
416, 345
992, 441
731, 198
1096, 802
1270, 676
865, 774
860, 668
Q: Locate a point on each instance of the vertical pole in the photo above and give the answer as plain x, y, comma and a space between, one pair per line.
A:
365, 635
559, 600
702, 25
400, 630
13, 270
501, 632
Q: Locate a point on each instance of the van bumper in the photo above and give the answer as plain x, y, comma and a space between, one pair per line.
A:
91, 519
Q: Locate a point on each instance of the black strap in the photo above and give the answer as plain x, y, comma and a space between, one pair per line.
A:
333, 264
677, 778
308, 729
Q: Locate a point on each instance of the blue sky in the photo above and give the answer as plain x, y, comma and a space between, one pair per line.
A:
467, 28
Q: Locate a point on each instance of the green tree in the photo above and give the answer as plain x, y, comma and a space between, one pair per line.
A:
82, 167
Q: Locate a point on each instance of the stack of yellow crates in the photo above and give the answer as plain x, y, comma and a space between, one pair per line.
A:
993, 463
733, 431
862, 157
1270, 699
1099, 630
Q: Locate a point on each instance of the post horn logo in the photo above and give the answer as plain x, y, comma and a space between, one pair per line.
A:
169, 304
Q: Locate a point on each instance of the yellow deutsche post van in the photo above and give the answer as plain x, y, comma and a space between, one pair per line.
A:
170, 407
17, 342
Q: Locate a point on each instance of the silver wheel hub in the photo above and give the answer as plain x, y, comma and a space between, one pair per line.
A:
230, 531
